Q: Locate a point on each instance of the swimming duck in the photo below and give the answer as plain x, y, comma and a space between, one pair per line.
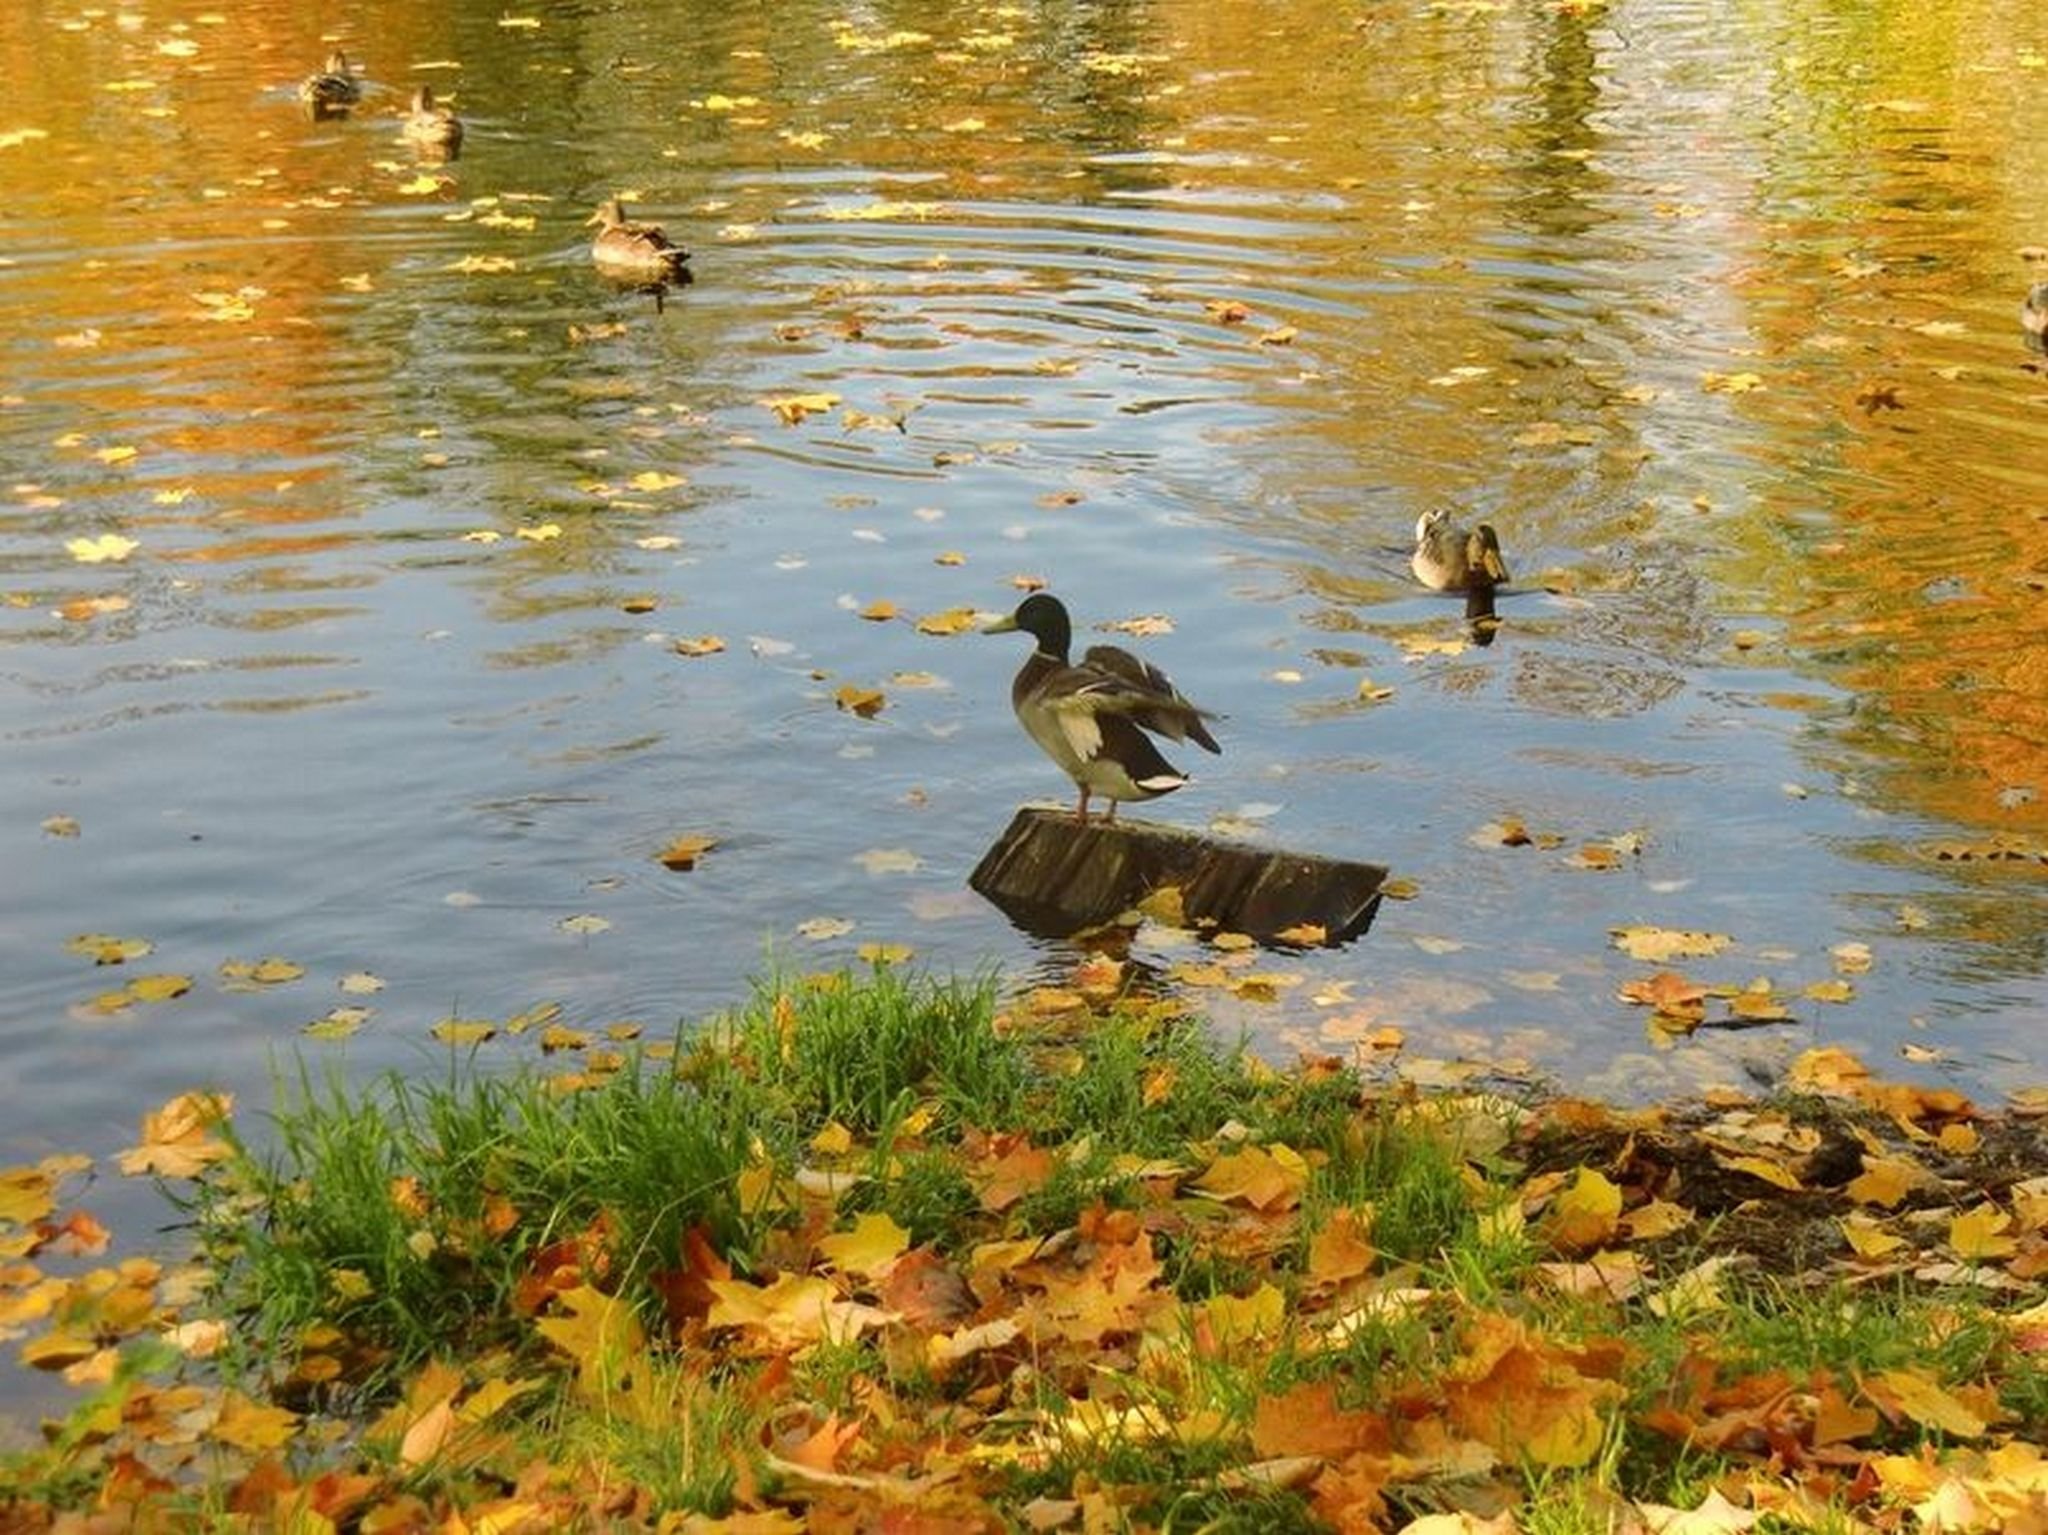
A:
626, 248
2034, 316
1449, 558
1091, 716
431, 127
332, 91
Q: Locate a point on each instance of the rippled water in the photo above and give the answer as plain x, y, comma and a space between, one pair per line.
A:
1710, 311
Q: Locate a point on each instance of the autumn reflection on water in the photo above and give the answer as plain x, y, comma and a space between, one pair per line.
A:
1186, 309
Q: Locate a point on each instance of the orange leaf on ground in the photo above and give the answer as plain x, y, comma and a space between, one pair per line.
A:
1342, 1250
1525, 1397
1307, 1421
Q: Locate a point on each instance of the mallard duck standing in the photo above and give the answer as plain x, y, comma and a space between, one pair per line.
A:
2034, 316
430, 127
1449, 558
332, 91
629, 249
1091, 716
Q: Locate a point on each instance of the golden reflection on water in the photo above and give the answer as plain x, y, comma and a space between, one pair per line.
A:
1708, 308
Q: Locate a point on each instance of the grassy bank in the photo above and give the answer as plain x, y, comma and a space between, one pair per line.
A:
879, 1252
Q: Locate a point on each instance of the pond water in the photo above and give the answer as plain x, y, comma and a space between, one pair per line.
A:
1188, 310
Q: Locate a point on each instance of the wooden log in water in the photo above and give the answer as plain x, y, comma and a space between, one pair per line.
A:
1055, 876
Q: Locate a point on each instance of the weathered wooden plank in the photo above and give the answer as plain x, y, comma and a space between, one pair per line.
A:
1055, 876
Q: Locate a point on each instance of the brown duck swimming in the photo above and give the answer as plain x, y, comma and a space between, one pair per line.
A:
333, 90
1091, 716
1449, 558
628, 249
430, 127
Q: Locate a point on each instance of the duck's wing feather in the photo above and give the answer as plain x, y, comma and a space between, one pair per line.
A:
1146, 695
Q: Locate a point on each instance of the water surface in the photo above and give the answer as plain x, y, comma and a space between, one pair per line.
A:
1188, 310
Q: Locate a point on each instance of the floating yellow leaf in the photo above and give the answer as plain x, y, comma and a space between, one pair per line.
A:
1730, 383
539, 533
879, 612
177, 1139
653, 479
702, 645
26, 1194
337, 1023
269, 971
1658, 944
98, 551
103, 949
884, 953
951, 621
865, 702
159, 988
463, 1031
683, 853
484, 264
82, 609
792, 408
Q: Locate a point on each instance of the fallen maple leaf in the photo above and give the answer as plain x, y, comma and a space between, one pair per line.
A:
1656, 944
176, 1140
864, 702
1585, 1215
683, 853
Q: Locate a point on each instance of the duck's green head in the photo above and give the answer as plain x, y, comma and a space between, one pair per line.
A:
1042, 616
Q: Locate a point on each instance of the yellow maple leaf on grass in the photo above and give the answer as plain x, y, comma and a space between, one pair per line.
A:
1264, 1179
871, 1248
247, 1425
1910, 1394
792, 1313
1585, 1215
1982, 1233
600, 1333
